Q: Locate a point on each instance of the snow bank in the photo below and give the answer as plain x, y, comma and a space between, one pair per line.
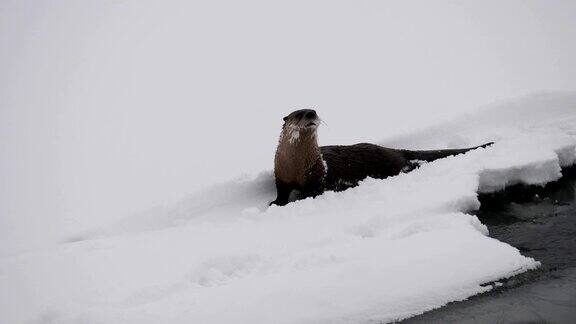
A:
385, 250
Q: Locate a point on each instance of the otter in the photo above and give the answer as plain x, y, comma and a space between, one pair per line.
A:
300, 164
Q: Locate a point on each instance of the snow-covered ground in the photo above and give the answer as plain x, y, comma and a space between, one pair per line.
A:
385, 250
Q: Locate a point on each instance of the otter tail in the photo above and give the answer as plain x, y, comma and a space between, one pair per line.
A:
432, 155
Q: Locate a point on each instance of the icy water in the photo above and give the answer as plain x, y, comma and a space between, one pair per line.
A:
541, 223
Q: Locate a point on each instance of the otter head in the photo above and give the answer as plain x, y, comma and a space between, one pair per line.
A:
300, 124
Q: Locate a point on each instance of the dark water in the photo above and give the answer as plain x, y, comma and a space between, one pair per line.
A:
541, 223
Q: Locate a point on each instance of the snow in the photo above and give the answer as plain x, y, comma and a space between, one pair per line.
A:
385, 250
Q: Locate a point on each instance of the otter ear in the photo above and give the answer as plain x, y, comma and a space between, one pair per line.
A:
285, 118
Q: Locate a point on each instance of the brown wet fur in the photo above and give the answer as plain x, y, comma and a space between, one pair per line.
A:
299, 161
294, 162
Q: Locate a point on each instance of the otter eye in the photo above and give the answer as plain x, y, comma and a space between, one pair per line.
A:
310, 114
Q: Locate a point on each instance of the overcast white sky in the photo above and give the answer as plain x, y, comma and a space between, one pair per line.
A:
110, 107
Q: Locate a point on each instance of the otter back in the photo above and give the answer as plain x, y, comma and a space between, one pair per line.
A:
349, 164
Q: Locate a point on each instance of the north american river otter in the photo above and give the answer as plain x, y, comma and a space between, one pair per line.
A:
300, 164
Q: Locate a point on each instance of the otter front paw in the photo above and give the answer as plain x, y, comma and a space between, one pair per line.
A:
278, 202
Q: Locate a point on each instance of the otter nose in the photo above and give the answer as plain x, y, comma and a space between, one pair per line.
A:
311, 114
